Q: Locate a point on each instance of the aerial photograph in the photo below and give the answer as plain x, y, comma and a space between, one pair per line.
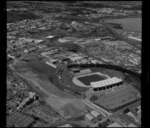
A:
73, 64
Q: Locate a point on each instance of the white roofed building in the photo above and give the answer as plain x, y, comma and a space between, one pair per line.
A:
89, 117
38, 41
31, 94
95, 113
50, 36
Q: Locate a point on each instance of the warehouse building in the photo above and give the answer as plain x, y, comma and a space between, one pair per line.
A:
19, 120
89, 117
95, 114
49, 37
26, 101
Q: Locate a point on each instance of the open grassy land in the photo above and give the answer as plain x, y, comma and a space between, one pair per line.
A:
69, 108
38, 78
41, 67
91, 78
56, 98
117, 98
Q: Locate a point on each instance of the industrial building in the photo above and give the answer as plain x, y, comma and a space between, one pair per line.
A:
95, 114
27, 100
106, 84
32, 49
19, 120
135, 118
49, 37
11, 56
38, 41
42, 46
89, 117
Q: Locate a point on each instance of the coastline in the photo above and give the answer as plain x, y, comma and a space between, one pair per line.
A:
121, 17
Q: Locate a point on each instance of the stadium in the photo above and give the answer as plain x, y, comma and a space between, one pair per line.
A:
105, 87
97, 78
80, 80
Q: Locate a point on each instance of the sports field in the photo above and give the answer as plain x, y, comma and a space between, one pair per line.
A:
117, 98
91, 78
41, 67
84, 80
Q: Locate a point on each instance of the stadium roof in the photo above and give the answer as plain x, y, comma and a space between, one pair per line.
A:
106, 82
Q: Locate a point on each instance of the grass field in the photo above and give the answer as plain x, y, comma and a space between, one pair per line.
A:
117, 98
91, 78
54, 97
41, 67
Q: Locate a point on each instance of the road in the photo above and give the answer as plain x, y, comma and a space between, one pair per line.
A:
97, 108
106, 114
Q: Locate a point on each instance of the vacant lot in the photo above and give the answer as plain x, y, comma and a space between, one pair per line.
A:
72, 111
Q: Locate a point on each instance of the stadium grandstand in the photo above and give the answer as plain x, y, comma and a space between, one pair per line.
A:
106, 84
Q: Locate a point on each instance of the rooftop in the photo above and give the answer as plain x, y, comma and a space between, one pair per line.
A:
89, 117
19, 119
105, 82
95, 113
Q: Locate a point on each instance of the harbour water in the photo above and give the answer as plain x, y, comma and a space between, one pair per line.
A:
130, 24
